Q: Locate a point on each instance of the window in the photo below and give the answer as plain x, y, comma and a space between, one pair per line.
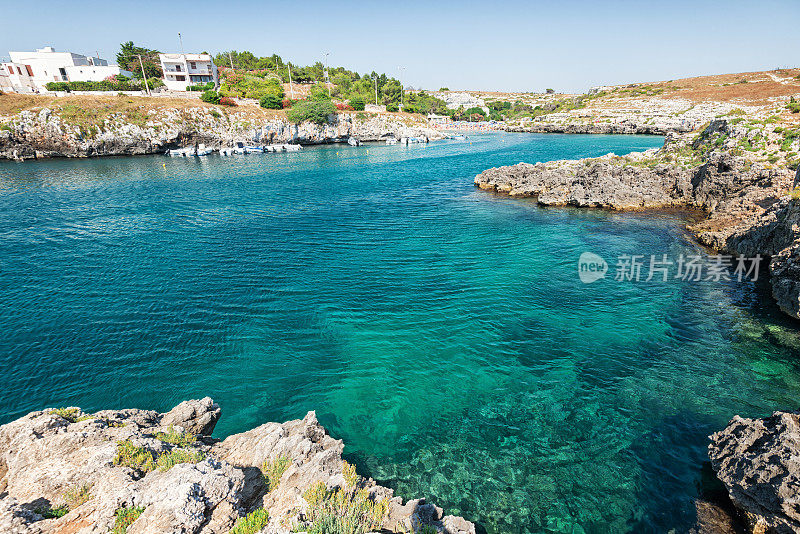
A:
194, 65
10, 69
19, 71
180, 78
177, 68
30, 70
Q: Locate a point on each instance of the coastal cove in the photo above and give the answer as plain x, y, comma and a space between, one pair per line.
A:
442, 332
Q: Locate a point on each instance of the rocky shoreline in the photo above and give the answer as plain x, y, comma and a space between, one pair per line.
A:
747, 202
63, 470
46, 133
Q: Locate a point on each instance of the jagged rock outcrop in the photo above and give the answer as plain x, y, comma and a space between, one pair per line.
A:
95, 465
45, 133
747, 210
758, 461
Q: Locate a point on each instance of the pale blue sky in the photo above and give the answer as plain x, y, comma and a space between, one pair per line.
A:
521, 46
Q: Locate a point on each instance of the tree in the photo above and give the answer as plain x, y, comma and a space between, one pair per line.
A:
550, 91
392, 91
128, 59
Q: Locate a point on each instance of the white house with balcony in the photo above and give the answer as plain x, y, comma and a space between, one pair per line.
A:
48, 65
183, 70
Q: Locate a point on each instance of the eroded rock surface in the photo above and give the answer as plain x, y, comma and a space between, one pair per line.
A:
758, 461
48, 457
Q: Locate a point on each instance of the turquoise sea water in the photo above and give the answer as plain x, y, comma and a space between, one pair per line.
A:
441, 331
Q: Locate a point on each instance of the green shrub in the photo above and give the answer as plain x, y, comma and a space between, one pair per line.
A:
316, 111
129, 455
174, 457
251, 523
52, 513
274, 470
125, 518
77, 495
392, 107
271, 101
347, 510
212, 97
357, 103
201, 87
70, 414
181, 439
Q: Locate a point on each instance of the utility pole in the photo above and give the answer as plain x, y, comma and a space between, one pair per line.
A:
144, 76
326, 73
376, 91
231, 59
402, 89
291, 87
181, 40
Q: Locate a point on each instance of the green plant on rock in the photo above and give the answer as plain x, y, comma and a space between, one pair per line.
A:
251, 523
129, 455
348, 510
77, 495
168, 460
70, 414
274, 470
181, 439
52, 513
124, 517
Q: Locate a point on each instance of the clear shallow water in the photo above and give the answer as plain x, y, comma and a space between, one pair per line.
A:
441, 331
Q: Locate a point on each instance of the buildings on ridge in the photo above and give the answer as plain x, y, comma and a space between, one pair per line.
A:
31, 71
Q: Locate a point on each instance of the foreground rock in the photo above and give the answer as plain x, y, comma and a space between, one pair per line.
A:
66, 471
758, 460
744, 198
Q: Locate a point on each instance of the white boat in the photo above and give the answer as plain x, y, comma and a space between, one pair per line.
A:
239, 148
202, 150
391, 141
352, 141
181, 152
251, 149
292, 148
459, 137
413, 140
226, 151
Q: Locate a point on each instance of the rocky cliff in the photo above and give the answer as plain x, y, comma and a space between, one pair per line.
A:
140, 471
54, 132
758, 461
744, 195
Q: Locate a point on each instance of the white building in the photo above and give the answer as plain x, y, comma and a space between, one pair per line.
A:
17, 78
183, 70
48, 65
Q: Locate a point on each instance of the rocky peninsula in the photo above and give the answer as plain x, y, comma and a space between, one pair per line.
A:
90, 126
747, 202
140, 471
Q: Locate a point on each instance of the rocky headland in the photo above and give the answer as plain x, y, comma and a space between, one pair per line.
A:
747, 198
140, 471
90, 126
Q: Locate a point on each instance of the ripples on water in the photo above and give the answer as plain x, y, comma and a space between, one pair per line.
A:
440, 331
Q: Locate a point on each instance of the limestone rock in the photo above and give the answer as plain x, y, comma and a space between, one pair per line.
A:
758, 461
195, 416
48, 455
